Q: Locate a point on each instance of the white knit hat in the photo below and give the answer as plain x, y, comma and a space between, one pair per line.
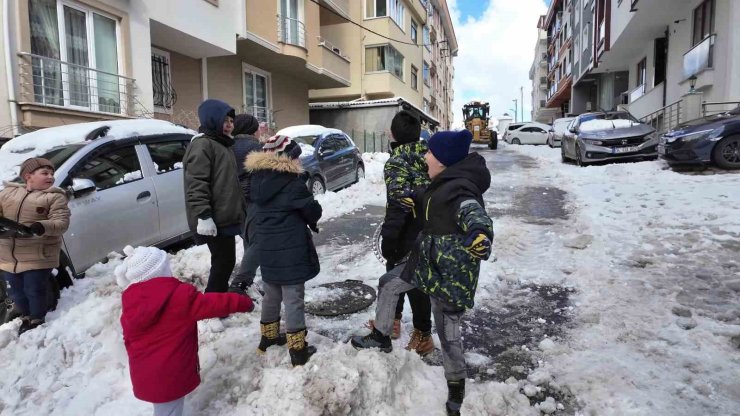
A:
142, 264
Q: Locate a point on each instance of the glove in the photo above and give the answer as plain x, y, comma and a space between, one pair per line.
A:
314, 227
37, 228
478, 244
206, 227
407, 202
388, 250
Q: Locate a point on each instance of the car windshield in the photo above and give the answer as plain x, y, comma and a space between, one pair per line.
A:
309, 140
58, 155
608, 116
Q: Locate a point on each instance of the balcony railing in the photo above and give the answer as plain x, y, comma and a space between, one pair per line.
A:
50, 81
637, 93
711, 108
699, 58
291, 31
664, 119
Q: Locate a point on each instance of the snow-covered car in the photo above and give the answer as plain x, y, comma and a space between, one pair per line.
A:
527, 133
124, 180
558, 130
604, 136
712, 139
329, 156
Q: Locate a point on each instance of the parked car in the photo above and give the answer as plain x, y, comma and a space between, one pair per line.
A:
329, 156
613, 135
527, 133
558, 129
509, 128
124, 180
712, 139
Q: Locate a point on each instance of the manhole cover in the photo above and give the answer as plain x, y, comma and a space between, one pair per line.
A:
339, 298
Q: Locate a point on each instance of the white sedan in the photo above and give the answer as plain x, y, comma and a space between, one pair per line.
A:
528, 133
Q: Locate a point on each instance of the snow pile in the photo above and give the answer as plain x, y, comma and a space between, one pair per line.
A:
600, 124
36, 143
369, 191
656, 305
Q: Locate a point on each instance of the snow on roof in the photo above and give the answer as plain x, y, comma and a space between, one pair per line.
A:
36, 143
601, 124
306, 130
370, 103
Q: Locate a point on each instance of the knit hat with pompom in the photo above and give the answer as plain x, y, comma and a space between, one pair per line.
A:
142, 264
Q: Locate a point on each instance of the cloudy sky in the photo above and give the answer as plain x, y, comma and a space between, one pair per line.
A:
496, 40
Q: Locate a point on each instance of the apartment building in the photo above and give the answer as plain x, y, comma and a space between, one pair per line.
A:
70, 61
558, 26
666, 61
538, 74
401, 56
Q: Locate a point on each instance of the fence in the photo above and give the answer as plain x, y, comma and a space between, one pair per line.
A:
371, 141
664, 119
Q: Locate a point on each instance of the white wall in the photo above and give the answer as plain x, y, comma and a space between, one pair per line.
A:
4, 105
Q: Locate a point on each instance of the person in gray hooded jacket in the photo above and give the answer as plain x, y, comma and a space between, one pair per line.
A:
214, 201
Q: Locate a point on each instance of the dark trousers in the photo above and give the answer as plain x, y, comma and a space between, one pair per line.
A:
421, 308
223, 259
28, 291
250, 261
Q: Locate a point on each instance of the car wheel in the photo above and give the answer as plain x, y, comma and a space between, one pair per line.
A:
316, 185
726, 153
515, 141
563, 158
579, 158
360, 173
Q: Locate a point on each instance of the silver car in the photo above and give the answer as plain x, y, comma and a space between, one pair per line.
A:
607, 136
125, 184
558, 130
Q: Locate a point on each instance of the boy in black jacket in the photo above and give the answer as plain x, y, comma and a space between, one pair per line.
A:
445, 262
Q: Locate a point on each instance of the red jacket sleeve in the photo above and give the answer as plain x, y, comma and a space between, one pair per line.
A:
216, 305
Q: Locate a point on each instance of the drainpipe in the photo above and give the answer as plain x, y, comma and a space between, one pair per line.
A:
665, 75
203, 78
9, 69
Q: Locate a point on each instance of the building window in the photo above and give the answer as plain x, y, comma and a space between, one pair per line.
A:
77, 56
427, 39
384, 58
414, 32
386, 8
426, 76
703, 22
257, 90
164, 94
642, 73
426, 106
414, 77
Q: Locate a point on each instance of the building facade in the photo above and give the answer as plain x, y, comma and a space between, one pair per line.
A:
559, 30
665, 61
70, 61
538, 74
403, 49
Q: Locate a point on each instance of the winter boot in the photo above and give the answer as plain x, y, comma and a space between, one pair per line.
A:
299, 349
270, 336
421, 342
396, 327
373, 340
455, 395
28, 324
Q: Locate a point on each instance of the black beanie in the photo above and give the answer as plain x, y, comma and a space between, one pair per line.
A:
245, 124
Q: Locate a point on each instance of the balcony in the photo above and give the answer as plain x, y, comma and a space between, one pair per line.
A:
291, 31
699, 58
334, 61
339, 6
49, 82
543, 83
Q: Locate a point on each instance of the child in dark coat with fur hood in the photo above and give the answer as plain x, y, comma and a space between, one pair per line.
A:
159, 317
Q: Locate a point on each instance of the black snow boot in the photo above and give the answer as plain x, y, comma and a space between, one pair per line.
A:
299, 349
455, 395
374, 339
270, 336
28, 324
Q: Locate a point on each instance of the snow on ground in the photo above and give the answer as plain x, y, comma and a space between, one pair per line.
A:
657, 286
370, 191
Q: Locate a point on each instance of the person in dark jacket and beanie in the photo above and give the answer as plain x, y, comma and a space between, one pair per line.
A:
405, 172
214, 201
285, 212
445, 261
245, 125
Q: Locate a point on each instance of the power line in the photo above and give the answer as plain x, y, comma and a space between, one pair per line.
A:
334, 12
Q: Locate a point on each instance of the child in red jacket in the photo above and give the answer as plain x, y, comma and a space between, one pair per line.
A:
159, 320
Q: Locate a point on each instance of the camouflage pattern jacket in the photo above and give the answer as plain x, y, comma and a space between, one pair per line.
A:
452, 207
405, 174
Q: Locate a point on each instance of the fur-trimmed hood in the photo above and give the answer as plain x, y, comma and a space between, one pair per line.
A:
272, 161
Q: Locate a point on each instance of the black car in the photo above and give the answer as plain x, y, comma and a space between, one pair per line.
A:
329, 156
712, 139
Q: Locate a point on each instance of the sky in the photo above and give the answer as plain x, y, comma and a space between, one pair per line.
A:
496, 41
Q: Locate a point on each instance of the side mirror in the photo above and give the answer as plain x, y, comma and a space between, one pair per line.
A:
81, 187
573, 130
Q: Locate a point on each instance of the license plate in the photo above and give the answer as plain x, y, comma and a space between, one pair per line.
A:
476, 128
618, 150
661, 149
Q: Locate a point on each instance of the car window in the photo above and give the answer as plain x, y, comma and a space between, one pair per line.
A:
112, 168
167, 156
58, 155
330, 143
342, 142
514, 126
538, 130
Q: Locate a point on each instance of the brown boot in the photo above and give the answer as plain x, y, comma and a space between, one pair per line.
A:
396, 327
421, 342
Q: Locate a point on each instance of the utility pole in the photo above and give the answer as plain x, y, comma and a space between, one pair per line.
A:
521, 91
516, 110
